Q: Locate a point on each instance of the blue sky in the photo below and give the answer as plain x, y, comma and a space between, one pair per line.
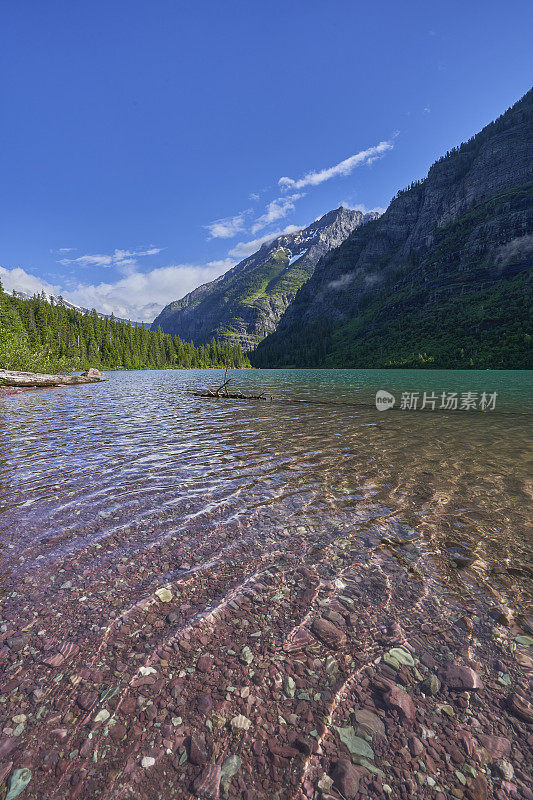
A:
143, 141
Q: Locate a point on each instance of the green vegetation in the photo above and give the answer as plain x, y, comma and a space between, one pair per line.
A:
39, 336
462, 303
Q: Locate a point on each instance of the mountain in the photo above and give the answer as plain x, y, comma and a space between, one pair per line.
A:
246, 303
441, 279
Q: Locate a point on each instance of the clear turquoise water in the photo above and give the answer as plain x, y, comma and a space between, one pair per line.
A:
77, 463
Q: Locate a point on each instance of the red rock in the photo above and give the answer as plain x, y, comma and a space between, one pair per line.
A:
282, 750
204, 704
496, 746
207, 785
463, 678
18, 642
67, 649
129, 705
415, 746
6, 746
198, 750
399, 700
478, 789
204, 663
335, 617
346, 778
522, 707
297, 641
328, 633
117, 732
87, 700
53, 660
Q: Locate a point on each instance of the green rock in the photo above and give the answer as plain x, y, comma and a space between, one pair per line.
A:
446, 709
391, 661
230, 767
366, 764
430, 685
18, 782
460, 777
332, 666
527, 641
402, 656
246, 656
355, 744
289, 686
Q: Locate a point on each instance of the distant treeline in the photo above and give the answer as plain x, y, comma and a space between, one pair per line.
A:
42, 336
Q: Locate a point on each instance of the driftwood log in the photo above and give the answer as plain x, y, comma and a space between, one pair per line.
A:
235, 396
35, 380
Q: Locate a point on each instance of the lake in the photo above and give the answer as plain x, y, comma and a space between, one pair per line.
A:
166, 557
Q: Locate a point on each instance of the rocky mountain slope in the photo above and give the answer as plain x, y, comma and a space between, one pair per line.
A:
247, 302
441, 279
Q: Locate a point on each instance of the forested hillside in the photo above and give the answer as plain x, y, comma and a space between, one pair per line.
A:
41, 336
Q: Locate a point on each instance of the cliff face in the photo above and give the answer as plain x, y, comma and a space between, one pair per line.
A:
448, 260
246, 303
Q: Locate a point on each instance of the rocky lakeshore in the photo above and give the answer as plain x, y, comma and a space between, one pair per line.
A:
296, 666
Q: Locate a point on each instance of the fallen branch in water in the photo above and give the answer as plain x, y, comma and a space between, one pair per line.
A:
234, 396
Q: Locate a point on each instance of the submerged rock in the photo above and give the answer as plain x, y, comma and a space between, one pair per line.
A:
401, 702
207, 784
463, 678
198, 749
240, 723
230, 767
346, 778
370, 722
328, 633
18, 782
355, 744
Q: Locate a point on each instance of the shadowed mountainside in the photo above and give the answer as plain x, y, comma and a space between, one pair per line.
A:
441, 279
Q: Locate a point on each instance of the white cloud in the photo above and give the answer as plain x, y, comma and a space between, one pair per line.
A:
22, 281
342, 168
254, 196
141, 296
245, 249
228, 227
427, 110
124, 260
137, 296
66, 249
277, 209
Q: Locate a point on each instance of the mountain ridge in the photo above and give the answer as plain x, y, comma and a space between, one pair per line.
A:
246, 303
